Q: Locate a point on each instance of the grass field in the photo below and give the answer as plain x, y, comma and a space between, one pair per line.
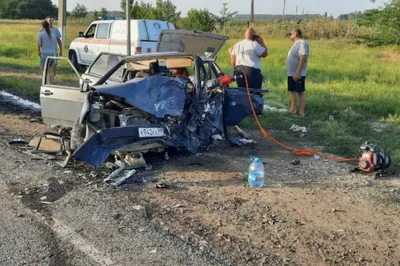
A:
356, 84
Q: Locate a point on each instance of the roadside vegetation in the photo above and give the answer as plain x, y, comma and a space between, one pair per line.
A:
356, 84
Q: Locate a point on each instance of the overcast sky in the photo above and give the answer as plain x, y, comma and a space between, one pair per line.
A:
333, 7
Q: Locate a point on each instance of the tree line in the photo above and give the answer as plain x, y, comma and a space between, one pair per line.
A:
384, 20
27, 9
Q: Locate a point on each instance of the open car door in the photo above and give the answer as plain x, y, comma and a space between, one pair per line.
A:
61, 101
203, 44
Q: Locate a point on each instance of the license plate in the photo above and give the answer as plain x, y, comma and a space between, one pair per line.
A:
151, 132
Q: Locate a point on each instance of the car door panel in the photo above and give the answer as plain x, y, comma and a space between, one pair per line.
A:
61, 105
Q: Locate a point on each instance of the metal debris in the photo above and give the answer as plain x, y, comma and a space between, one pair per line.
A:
113, 175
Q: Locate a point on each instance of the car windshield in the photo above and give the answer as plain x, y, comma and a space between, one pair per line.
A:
104, 63
181, 67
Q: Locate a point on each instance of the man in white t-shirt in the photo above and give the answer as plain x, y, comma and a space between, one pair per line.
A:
246, 58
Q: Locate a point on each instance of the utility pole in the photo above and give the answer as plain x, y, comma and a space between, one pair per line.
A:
284, 7
128, 27
252, 13
62, 20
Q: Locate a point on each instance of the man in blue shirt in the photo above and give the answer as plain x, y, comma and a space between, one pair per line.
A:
57, 35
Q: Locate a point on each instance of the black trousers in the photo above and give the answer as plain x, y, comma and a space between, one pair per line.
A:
253, 75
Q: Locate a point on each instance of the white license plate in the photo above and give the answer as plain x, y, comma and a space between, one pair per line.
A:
151, 132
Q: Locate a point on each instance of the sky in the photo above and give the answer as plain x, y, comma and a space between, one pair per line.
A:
333, 7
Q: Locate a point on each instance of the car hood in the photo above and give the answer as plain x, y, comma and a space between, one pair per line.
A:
203, 44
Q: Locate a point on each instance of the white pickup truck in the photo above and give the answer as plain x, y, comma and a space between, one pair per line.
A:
111, 36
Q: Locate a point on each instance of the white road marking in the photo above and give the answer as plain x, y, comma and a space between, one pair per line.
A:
80, 243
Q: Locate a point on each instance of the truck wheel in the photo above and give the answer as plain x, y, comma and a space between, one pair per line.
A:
74, 60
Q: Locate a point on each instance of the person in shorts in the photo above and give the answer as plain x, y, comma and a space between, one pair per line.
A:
296, 66
56, 33
46, 46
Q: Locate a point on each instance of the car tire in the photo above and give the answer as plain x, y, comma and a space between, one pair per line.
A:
78, 133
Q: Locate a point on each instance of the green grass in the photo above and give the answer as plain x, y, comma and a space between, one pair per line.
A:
356, 84
19, 62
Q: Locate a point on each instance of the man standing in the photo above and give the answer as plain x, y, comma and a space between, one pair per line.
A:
296, 66
245, 59
57, 36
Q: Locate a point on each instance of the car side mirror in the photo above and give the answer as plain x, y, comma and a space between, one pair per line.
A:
85, 84
80, 34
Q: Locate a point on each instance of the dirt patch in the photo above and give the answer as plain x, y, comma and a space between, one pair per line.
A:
15, 118
311, 213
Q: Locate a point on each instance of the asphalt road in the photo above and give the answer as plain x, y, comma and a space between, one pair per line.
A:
50, 216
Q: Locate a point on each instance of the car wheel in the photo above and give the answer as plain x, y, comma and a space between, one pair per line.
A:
78, 133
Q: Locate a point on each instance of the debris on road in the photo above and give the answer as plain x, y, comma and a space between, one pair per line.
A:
113, 175
297, 128
137, 207
124, 178
241, 141
18, 141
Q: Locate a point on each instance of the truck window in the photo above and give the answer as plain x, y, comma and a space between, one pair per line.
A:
90, 31
102, 31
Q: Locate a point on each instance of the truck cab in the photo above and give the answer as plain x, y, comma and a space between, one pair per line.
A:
110, 36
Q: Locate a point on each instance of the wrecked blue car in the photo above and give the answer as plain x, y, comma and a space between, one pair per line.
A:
149, 102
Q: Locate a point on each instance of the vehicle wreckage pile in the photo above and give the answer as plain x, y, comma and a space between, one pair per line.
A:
137, 106
156, 112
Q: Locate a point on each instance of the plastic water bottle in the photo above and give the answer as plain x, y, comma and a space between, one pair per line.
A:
256, 173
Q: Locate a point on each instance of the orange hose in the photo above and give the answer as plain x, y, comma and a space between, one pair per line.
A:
306, 152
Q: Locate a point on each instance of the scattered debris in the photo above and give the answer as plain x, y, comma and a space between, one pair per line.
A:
49, 142
18, 141
297, 128
137, 207
161, 185
269, 108
217, 137
296, 162
133, 160
124, 178
154, 251
43, 198
113, 175
331, 117
241, 141
111, 165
